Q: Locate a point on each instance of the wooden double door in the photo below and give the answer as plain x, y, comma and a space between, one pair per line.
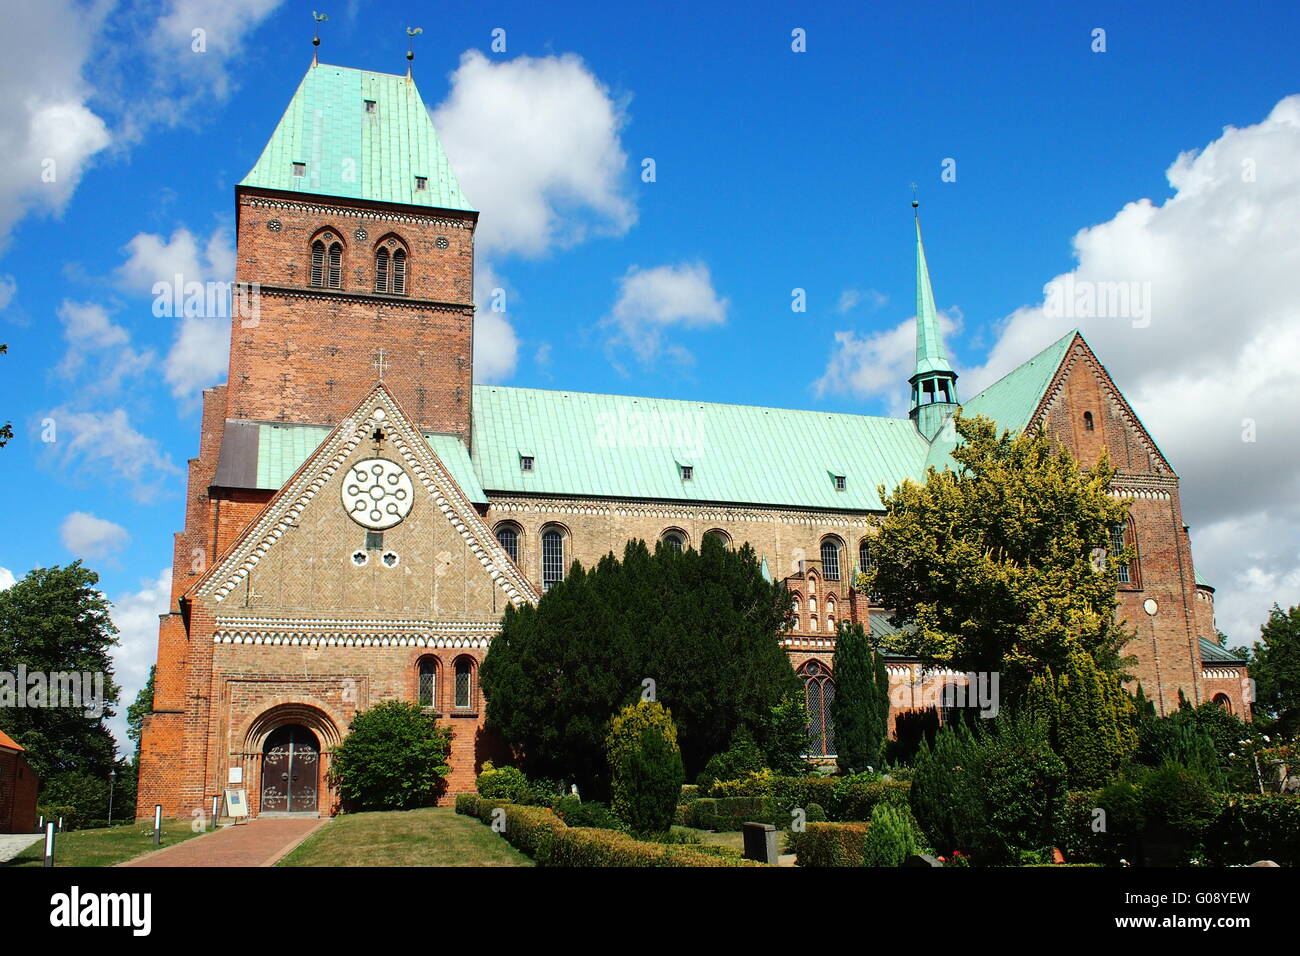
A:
290, 771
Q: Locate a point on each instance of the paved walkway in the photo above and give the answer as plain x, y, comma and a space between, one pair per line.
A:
11, 844
255, 843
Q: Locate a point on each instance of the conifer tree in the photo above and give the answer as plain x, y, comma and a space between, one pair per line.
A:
860, 708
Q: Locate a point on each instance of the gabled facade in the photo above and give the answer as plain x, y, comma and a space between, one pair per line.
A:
360, 513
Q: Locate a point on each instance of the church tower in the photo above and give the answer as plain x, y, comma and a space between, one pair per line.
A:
934, 383
357, 244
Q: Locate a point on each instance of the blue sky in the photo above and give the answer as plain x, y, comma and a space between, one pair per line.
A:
775, 170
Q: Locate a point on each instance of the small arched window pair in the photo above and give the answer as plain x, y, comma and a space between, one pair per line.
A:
327, 263
390, 270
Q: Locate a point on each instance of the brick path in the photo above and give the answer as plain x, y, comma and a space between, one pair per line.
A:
256, 843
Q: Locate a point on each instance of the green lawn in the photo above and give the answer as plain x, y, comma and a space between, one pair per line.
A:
105, 846
435, 836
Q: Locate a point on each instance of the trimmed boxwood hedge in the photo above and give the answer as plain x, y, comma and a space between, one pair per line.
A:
829, 844
540, 834
844, 801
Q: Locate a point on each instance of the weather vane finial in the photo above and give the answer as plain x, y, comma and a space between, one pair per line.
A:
315, 40
915, 202
411, 34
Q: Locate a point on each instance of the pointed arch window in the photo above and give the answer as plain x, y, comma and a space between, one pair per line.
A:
819, 689
382, 261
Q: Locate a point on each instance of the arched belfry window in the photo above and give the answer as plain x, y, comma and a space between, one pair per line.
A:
327, 262
390, 267
1088, 423
820, 691
831, 559
508, 535
428, 682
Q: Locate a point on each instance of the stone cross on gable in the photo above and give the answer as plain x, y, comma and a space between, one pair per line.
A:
380, 364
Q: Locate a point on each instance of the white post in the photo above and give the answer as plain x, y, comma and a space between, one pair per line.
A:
157, 824
216, 808
49, 844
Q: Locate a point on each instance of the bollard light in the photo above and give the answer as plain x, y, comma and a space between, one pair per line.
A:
49, 844
216, 808
157, 824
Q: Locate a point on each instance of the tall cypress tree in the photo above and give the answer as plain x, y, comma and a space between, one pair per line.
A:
860, 707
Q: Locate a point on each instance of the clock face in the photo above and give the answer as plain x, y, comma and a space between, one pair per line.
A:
377, 493
1150, 606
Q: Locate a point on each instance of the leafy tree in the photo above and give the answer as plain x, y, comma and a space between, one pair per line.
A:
55, 620
740, 758
998, 565
784, 733
1275, 667
860, 708
393, 758
697, 628
645, 766
140, 708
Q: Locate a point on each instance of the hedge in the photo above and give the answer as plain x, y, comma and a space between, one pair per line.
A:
843, 801
829, 844
538, 833
727, 813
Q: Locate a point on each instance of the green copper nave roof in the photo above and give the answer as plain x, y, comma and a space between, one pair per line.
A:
930, 354
350, 150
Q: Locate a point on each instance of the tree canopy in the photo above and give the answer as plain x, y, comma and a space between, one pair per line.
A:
1275, 667
1002, 564
694, 630
55, 620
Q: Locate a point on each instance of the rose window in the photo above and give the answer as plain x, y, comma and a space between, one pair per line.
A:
377, 493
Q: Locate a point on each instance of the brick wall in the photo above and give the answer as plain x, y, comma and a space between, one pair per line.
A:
18, 789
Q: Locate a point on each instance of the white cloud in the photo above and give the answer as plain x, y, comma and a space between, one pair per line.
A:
6, 579
88, 536
90, 332
8, 289
651, 301
850, 299
200, 349
878, 364
1218, 261
535, 143
136, 616
48, 133
103, 444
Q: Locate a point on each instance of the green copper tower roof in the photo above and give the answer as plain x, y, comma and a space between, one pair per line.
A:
930, 354
358, 135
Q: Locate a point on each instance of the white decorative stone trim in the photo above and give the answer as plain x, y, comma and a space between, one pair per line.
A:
426, 470
298, 639
355, 212
1220, 673
502, 505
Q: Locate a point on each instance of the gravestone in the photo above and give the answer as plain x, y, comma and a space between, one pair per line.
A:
760, 842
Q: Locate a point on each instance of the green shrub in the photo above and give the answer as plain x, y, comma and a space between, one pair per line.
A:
532, 831
814, 813
892, 836
592, 813
1255, 826
393, 758
467, 804
645, 767
993, 795
828, 844
759, 783
579, 846
1178, 807
78, 797
503, 783
690, 792
1108, 837
856, 801
741, 757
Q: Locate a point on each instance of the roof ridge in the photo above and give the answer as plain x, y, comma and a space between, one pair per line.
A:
691, 401
1015, 368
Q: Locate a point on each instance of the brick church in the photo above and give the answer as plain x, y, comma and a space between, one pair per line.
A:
360, 512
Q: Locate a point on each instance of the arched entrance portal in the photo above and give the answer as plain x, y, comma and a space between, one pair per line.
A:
290, 770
